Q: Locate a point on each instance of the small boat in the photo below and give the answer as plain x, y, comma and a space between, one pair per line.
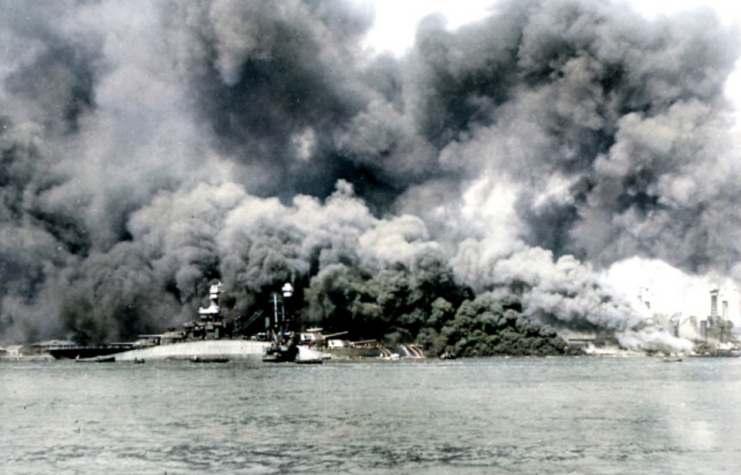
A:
99, 359
139, 361
310, 361
672, 359
209, 359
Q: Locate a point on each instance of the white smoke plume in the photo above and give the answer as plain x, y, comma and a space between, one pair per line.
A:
150, 147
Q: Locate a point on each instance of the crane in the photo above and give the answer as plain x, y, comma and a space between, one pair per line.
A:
676, 321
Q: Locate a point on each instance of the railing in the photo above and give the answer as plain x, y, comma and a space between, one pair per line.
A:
90, 347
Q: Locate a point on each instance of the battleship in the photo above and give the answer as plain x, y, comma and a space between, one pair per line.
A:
208, 340
202, 340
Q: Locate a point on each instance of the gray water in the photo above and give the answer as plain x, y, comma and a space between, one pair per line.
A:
521, 415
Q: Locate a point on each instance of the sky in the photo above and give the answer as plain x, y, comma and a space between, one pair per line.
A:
670, 289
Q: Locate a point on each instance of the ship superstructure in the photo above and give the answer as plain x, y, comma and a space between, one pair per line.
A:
211, 325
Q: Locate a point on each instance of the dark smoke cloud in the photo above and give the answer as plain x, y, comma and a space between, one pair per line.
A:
149, 148
563, 137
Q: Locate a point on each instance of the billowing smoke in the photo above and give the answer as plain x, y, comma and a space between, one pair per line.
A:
150, 148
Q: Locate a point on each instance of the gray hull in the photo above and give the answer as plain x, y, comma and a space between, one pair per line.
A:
212, 348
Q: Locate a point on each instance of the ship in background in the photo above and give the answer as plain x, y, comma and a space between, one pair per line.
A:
713, 336
716, 331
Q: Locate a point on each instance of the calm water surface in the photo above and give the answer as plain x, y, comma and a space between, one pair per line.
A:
524, 416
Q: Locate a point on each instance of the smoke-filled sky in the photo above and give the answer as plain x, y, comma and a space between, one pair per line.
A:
149, 147
395, 25
670, 289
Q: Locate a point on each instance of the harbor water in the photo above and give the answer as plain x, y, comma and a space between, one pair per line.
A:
579, 415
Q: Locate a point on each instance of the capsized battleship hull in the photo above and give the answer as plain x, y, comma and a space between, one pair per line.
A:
206, 348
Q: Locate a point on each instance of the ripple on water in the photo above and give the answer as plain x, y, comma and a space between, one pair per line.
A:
518, 416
